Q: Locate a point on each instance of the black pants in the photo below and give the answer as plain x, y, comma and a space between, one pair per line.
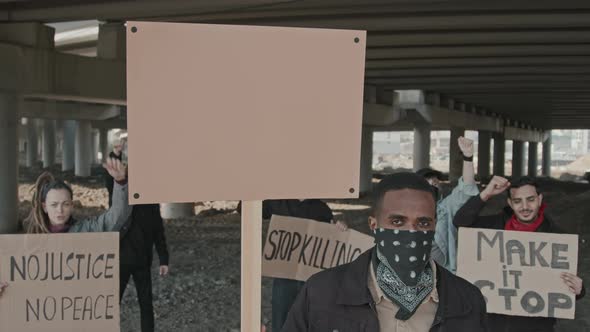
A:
142, 278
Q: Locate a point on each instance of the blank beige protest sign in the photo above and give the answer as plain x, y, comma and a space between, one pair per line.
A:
519, 272
219, 112
298, 248
60, 282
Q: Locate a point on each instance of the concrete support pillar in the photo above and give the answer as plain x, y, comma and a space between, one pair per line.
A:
32, 143
104, 144
366, 172
177, 210
533, 159
421, 146
455, 157
111, 41
49, 143
499, 154
69, 145
547, 155
484, 154
9, 165
83, 148
517, 159
95, 146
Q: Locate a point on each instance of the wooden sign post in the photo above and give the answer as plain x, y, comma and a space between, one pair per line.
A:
221, 112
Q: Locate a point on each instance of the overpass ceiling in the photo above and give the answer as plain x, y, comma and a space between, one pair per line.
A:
528, 60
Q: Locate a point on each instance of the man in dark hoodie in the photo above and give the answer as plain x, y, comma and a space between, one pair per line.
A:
137, 241
394, 286
525, 213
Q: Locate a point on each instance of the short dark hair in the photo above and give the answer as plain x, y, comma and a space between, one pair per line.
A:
398, 181
428, 173
521, 182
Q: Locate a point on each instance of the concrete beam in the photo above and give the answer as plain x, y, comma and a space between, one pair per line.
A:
521, 134
125, 10
381, 115
28, 34
43, 73
579, 60
446, 118
110, 124
477, 37
47, 109
475, 51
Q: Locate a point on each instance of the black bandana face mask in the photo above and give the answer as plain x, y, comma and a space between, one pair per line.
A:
407, 251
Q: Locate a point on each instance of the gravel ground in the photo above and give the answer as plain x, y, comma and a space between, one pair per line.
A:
202, 292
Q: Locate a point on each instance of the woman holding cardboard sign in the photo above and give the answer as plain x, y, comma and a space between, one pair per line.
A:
53, 207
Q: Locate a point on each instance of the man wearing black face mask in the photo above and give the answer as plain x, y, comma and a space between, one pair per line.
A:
395, 286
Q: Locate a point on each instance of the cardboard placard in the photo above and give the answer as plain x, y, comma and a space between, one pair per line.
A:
519, 272
297, 248
227, 112
60, 282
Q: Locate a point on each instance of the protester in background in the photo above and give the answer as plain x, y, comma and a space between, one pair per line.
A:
145, 231
117, 153
525, 213
53, 207
444, 250
284, 291
394, 286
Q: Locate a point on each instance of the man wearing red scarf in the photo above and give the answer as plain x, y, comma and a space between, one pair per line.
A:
525, 213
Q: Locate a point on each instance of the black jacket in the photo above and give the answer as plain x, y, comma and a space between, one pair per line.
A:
468, 216
339, 299
313, 209
145, 230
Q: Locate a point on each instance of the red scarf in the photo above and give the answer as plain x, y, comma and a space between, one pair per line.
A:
513, 224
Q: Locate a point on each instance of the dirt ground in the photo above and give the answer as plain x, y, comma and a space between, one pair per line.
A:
202, 292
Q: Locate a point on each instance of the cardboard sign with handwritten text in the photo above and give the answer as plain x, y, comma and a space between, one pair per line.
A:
519, 272
60, 282
298, 248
